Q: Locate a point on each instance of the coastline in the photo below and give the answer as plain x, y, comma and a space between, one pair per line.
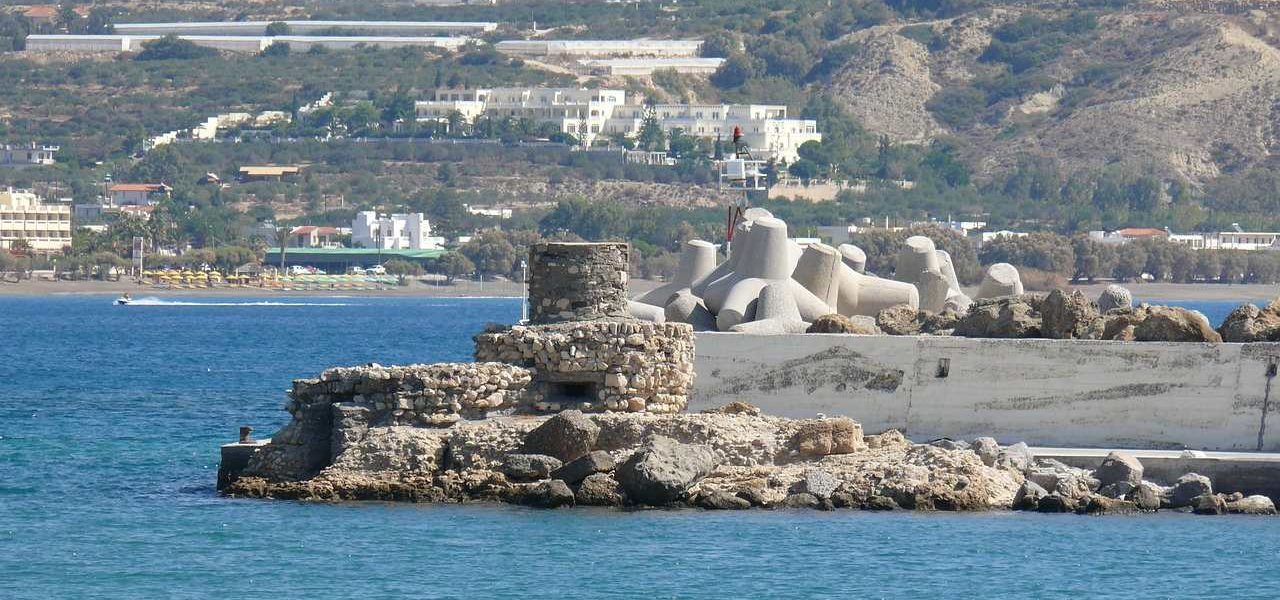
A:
1145, 292
459, 289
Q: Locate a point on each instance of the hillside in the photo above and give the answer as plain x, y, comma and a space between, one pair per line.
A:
1187, 96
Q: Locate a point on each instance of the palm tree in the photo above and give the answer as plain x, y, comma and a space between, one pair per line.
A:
282, 240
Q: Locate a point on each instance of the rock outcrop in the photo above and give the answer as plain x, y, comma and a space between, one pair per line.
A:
1068, 316
662, 471
1248, 323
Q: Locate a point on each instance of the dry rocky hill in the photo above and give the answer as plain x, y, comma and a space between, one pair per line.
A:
1175, 93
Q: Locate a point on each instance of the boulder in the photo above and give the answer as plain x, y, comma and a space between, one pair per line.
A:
987, 449
1208, 504
1029, 496
530, 467
1118, 490
1119, 467
1070, 316
1059, 478
802, 500
722, 501
820, 437
753, 496
899, 320
819, 483
565, 436
879, 503
1056, 503
950, 444
600, 489
1113, 297
1188, 488
1102, 505
1015, 457
734, 408
835, 323
551, 493
1252, 505
1147, 496
1174, 324
1248, 323
1004, 317
942, 323
661, 472
596, 461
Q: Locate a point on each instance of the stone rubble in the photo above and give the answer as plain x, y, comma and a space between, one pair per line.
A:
731, 459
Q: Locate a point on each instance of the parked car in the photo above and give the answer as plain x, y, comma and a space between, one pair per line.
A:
376, 270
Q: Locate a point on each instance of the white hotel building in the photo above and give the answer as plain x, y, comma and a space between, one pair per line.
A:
44, 227
392, 232
588, 114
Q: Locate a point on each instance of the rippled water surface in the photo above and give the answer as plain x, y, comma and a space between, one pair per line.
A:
110, 419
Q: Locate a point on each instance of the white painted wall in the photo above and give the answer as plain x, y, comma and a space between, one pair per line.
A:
1045, 392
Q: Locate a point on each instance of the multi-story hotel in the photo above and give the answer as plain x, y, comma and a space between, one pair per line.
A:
588, 114
44, 227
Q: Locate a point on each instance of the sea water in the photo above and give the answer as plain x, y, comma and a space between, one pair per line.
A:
111, 417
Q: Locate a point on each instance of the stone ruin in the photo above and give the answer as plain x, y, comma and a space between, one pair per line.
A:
582, 348
580, 351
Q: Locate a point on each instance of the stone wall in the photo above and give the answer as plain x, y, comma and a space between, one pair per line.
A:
594, 366
326, 410
577, 281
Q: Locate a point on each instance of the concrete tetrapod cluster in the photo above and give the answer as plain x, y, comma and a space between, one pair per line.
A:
931, 271
769, 284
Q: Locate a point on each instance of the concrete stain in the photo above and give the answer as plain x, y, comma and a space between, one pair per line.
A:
839, 367
1120, 392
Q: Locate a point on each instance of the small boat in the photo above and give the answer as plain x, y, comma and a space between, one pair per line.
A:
122, 300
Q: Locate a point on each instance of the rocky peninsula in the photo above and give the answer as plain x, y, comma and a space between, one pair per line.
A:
586, 405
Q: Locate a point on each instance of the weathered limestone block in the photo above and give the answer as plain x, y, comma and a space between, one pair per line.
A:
530, 467
1070, 316
662, 471
577, 281
834, 323
566, 436
1119, 467
1248, 323
1001, 317
822, 437
1188, 488
1174, 324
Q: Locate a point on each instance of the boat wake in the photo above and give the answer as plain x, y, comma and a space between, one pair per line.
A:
154, 301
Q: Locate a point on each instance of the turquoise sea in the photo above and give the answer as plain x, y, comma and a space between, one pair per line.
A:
111, 417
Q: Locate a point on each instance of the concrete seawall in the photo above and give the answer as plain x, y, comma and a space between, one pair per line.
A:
1077, 393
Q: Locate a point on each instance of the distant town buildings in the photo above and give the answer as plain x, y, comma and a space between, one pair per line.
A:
646, 66
311, 236
249, 28
233, 43
24, 218
31, 154
588, 114
393, 232
588, 48
136, 194
268, 172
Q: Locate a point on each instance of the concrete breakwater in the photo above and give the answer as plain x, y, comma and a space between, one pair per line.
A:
1093, 393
